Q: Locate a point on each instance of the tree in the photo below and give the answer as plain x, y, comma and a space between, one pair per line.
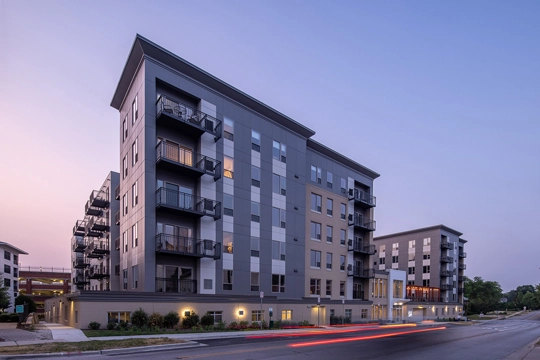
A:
529, 300
5, 301
23, 299
483, 295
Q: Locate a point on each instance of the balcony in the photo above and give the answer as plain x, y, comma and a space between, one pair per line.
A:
97, 248
462, 266
117, 218
99, 224
117, 192
447, 273
446, 287
99, 199
90, 210
358, 246
360, 272
447, 259
447, 245
461, 278
80, 262
359, 221
171, 112
97, 272
461, 290
176, 285
176, 202
80, 228
462, 254
358, 295
181, 245
176, 158
79, 245
362, 198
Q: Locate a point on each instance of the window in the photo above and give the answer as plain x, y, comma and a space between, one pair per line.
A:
315, 286
412, 244
255, 246
412, 270
217, 315
15, 272
117, 317
329, 233
278, 283
255, 211
134, 194
342, 237
315, 231
279, 151
411, 257
315, 259
228, 167
117, 270
426, 269
278, 250
328, 287
134, 235
395, 259
134, 276
329, 261
382, 261
134, 153
382, 248
15, 259
125, 203
134, 111
410, 282
395, 246
279, 184
227, 279
363, 314
227, 243
398, 289
228, 205
329, 206
316, 174
255, 141
125, 241
427, 241
316, 202
7, 255
124, 167
278, 217
15, 285
343, 211
329, 179
254, 281
342, 262
343, 186
255, 176
342, 288
427, 256
125, 277
257, 315
348, 313
228, 129
425, 282
124, 129
286, 315
7, 283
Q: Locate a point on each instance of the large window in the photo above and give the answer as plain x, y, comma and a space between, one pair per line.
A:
279, 151
427, 241
227, 243
255, 211
254, 281
228, 167
278, 283
316, 202
329, 207
228, 129
395, 259
328, 287
217, 315
315, 231
228, 205
118, 316
278, 250
135, 235
412, 244
286, 315
329, 234
7, 255
329, 179
315, 286
316, 175
278, 217
426, 269
257, 315
342, 237
227, 279
255, 176
315, 261
342, 262
255, 246
279, 184
398, 289
329, 261
255, 141
364, 314
412, 270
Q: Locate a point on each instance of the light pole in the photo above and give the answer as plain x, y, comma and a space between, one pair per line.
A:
318, 310
261, 295
343, 317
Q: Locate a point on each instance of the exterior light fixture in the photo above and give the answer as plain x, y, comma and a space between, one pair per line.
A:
241, 312
187, 313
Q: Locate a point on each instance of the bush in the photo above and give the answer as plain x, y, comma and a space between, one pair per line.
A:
123, 325
21, 299
190, 321
243, 325
207, 320
13, 317
5, 318
233, 326
221, 325
111, 325
304, 323
139, 318
171, 319
156, 320
94, 325
277, 324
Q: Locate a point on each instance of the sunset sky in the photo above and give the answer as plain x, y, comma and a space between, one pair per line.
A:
441, 98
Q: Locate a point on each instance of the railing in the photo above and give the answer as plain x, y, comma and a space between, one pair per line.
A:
117, 192
424, 298
189, 115
358, 295
80, 262
182, 201
44, 269
360, 272
461, 278
99, 198
447, 245
462, 254
97, 271
99, 224
176, 285
447, 259
357, 246
90, 210
462, 266
360, 221
188, 158
188, 246
79, 227
447, 286
362, 196
78, 242
447, 273
98, 246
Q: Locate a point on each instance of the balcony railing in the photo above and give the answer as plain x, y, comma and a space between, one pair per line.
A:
447, 287
447, 259
80, 262
462, 254
363, 198
358, 220
461, 278
79, 245
361, 272
462, 266
79, 228
447, 273
198, 206
99, 199
188, 246
97, 272
195, 119
98, 247
176, 285
358, 246
358, 295
447, 245
90, 210
172, 154
98, 224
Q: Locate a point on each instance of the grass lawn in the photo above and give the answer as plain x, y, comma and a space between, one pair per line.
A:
485, 317
100, 333
74, 347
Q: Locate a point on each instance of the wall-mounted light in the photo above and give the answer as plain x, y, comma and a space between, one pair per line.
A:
295, 270
295, 239
187, 313
241, 312
296, 176
296, 208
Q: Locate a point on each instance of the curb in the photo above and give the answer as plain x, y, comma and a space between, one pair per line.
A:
523, 352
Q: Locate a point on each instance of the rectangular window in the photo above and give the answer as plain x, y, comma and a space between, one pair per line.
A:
255, 212
217, 315
134, 235
278, 217
315, 286
363, 314
15, 272
343, 186
7, 283
257, 315
228, 129
254, 281
228, 205
227, 279
125, 241
134, 110
342, 288
411, 257
278, 250
134, 194
348, 313
117, 317
316, 175
395, 246
427, 256
329, 234
412, 243
124, 167
279, 184
425, 282
398, 289
228, 167
328, 287
134, 153
412, 270
426, 269
278, 283
315, 231
382, 248
134, 276
255, 246
316, 202
394, 259
125, 277
286, 315
255, 176
342, 237
342, 262
382, 261
279, 151
427, 241
329, 179
329, 261
227, 243
117, 270
125, 203
315, 261
124, 129
255, 141
15, 259
7, 255
329, 207
343, 211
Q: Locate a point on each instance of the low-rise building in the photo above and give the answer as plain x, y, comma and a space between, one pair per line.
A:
9, 262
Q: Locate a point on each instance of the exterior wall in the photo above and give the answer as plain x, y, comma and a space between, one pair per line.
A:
9, 265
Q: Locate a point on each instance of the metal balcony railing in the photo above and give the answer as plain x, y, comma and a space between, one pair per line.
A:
80, 262
462, 266
176, 285
447, 273
178, 155
98, 246
91, 210
177, 200
447, 287
462, 254
358, 295
188, 246
447, 245
79, 228
362, 197
79, 245
358, 220
361, 272
447, 259
99, 199
97, 272
98, 224
188, 115
358, 246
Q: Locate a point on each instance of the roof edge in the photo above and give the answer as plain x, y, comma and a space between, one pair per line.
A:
434, 227
22, 252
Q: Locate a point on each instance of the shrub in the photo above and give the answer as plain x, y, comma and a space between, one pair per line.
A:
111, 325
156, 320
243, 325
171, 319
304, 323
207, 320
14, 317
139, 318
94, 325
264, 324
277, 324
221, 325
123, 325
190, 321
233, 326
5, 318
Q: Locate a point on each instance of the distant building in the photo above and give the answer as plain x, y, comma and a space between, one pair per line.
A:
10, 263
41, 283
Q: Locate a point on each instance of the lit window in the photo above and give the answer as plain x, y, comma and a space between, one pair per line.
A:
257, 315
228, 167
227, 242
286, 315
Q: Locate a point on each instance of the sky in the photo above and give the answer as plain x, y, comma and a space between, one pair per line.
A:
440, 98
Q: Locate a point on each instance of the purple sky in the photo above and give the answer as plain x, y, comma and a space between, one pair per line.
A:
441, 98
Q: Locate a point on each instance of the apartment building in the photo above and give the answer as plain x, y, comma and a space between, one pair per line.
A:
93, 238
10, 275
434, 259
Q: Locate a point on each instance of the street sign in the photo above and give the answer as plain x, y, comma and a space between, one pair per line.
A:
19, 309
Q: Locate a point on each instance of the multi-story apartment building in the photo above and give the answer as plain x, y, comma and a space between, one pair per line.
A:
434, 260
9, 262
95, 266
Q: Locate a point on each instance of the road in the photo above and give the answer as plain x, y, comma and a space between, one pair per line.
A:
489, 340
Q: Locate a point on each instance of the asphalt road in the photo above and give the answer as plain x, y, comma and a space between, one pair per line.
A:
490, 340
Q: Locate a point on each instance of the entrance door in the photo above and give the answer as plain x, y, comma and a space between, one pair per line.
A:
172, 194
